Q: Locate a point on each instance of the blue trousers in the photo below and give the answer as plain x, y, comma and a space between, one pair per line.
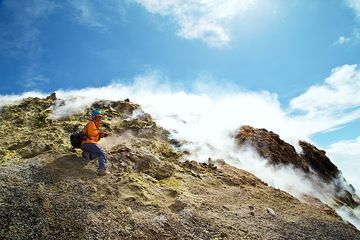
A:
94, 149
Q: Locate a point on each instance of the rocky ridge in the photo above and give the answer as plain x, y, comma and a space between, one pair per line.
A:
49, 192
312, 161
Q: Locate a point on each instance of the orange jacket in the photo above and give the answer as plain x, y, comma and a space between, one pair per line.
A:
92, 132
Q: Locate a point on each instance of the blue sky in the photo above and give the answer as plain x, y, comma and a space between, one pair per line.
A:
280, 46
285, 52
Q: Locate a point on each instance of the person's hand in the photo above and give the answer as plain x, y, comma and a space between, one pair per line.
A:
103, 134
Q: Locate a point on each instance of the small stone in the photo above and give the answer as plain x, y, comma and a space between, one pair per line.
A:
92, 189
271, 211
224, 235
25, 153
226, 208
173, 193
129, 210
178, 205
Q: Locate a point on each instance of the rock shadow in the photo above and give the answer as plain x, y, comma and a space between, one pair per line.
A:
64, 168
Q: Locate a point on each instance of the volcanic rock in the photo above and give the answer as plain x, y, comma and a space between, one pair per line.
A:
311, 160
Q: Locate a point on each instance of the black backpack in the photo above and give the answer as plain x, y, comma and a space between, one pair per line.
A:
76, 139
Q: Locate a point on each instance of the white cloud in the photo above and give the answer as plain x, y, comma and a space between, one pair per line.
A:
355, 5
339, 92
346, 155
207, 20
331, 104
342, 40
11, 99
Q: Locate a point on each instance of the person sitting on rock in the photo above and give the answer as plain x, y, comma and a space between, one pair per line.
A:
89, 145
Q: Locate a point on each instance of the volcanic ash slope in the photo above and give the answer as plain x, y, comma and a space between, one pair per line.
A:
49, 192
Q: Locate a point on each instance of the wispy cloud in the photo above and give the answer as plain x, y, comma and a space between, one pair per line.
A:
33, 77
205, 20
331, 104
98, 14
355, 5
86, 14
22, 36
23, 40
339, 92
342, 40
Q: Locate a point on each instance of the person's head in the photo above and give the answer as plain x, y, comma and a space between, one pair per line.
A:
96, 115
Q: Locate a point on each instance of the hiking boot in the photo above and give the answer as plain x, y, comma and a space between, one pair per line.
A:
86, 156
103, 172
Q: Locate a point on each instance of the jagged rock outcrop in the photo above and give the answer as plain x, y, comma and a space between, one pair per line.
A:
311, 160
152, 192
270, 146
318, 161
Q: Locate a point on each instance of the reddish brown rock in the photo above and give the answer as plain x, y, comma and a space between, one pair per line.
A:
270, 146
